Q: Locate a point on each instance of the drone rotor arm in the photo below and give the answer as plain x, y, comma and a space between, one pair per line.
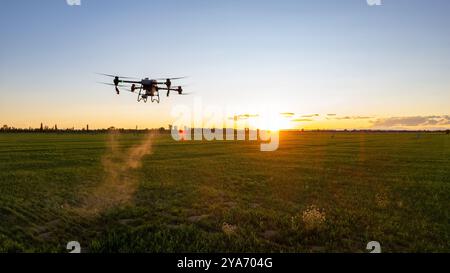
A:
135, 82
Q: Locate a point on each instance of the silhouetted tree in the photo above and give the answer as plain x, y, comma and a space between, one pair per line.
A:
42, 127
447, 132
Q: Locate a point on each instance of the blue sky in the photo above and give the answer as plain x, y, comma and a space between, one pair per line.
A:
325, 56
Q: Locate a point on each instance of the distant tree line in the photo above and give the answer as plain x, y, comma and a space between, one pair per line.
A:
54, 129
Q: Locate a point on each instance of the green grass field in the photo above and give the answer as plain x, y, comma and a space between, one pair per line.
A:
318, 192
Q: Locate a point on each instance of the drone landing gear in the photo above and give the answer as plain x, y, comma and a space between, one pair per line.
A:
144, 97
141, 96
156, 97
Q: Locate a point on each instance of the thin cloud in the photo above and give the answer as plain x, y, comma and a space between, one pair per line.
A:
287, 114
302, 120
351, 117
243, 116
341, 118
412, 121
310, 116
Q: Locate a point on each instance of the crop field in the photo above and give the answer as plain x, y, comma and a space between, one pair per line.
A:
133, 192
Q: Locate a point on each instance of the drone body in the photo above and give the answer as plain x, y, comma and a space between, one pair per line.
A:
145, 88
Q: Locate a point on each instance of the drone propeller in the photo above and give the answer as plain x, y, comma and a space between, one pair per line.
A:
178, 89
132, 88
186, 94
114, 76
111, 84
115, 85
128, 90
177, 78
